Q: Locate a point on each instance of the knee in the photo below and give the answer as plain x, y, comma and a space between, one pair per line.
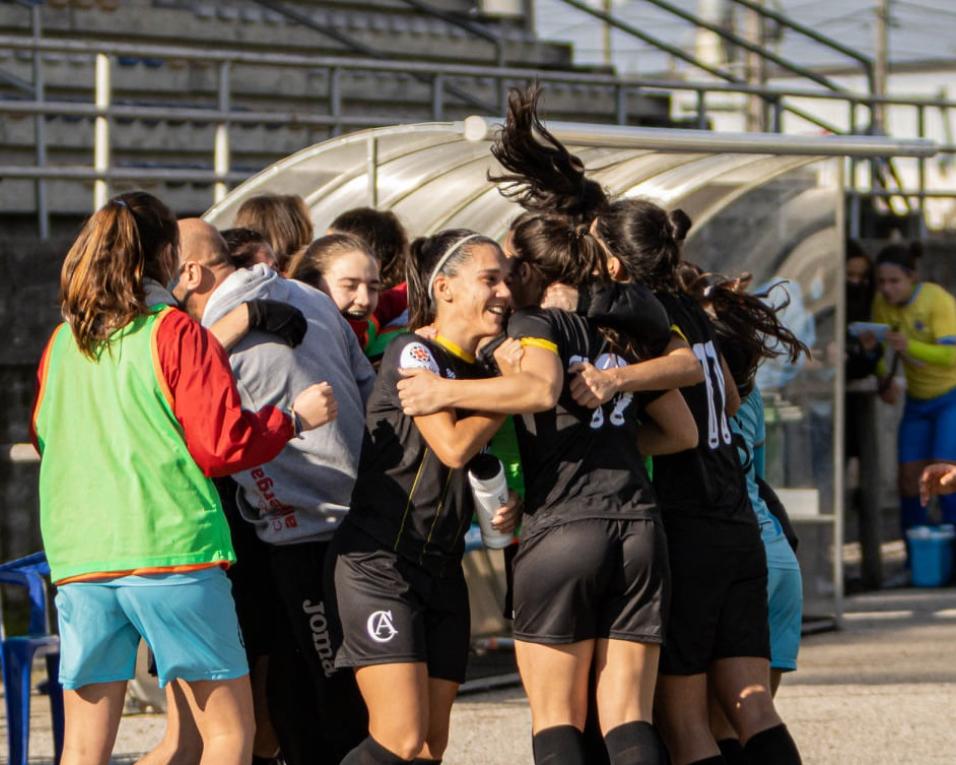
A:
754, 711
410, 744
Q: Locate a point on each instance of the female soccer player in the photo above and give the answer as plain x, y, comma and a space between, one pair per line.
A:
749, 331
922, 320
719, 620
398, 580
136, 407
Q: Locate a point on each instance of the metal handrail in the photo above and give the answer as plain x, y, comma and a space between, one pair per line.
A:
812, 34
223, 115
749, 45
234, 56
309, 23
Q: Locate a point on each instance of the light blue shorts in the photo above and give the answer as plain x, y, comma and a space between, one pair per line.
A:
785, 595
188, 620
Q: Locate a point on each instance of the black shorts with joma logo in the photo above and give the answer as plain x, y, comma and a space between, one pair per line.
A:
393, 611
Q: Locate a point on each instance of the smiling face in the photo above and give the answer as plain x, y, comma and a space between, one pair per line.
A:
475, 299
352, 281
895, 283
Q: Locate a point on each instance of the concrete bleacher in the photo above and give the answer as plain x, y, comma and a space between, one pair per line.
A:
392, 29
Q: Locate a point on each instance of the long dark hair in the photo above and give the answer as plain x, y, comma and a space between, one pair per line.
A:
542, 175
552, 235
748, 328
424, 256
131, 238
646, 239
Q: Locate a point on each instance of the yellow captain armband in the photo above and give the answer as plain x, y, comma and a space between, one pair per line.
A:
538, 342
677, 331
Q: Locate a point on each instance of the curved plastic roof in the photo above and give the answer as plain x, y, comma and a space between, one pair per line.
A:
434, 176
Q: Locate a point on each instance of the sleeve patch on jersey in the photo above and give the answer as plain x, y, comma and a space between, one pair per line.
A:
418, 356
538, 342
947, 340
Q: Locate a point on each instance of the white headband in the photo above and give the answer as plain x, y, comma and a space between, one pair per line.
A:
444, 259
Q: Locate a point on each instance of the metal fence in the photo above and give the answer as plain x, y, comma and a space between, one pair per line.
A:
445, 82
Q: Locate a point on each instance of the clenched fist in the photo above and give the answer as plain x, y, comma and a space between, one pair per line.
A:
316, 406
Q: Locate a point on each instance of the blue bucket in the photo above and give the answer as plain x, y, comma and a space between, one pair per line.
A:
931, 554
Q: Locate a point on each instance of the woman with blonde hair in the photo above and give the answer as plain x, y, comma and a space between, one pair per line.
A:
283, 219
136, 410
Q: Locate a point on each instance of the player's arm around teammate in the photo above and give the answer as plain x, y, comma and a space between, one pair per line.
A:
399, 586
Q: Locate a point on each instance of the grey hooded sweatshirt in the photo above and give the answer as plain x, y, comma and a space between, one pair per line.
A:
303, 494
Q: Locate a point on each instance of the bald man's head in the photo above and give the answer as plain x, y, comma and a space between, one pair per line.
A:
203, 265
202, 243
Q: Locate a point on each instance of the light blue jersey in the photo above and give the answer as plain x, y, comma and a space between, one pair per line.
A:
749, 424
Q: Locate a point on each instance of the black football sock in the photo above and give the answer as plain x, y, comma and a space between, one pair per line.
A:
423, 761
732, 751
773, 746
370, 752
716, 760
635, 743
560, 745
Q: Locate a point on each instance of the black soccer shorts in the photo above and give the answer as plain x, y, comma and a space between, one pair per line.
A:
718, 609
593, 578
393, 611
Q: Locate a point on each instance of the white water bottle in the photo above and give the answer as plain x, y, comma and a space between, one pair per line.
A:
486, 475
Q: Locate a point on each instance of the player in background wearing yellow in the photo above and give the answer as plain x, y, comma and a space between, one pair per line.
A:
922, 320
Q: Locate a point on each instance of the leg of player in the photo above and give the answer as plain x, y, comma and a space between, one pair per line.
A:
223, 713
441, 695
182, 743
92, 719
626, 677
555, 679
723, 731
397, 696
742, 685
682, 707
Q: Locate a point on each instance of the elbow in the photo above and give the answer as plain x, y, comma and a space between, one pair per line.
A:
692, 373
689, 438
452, 458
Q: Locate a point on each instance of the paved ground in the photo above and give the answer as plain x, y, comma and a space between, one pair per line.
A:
881, 691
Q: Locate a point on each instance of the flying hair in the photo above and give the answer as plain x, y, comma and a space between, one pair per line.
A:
540, 174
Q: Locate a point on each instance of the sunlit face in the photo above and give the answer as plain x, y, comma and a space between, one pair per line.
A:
895, 283
352, 281
520, 277
477, 294
857, 271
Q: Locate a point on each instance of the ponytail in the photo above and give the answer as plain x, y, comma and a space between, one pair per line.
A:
131, 238
542, 175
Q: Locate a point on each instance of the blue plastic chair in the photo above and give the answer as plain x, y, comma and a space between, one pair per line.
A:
16, 657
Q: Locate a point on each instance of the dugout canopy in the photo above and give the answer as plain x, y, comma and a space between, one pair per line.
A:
767, 204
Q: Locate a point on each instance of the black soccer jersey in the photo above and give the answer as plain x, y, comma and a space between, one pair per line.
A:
579, 463
706, 481
404, 496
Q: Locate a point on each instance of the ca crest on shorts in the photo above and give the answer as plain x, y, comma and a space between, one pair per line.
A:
380, 627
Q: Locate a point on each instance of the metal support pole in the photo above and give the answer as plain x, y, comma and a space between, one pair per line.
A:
371, 162
438, 98
881, 62
701, 110
776, 116
222, 154
39, 127
620, 97
335, 99
921, 131
839, 396
756, 71
101, 130
854, 214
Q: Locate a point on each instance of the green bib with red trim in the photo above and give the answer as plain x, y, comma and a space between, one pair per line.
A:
119, 489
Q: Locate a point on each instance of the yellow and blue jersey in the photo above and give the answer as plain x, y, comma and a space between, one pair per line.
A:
929, 317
